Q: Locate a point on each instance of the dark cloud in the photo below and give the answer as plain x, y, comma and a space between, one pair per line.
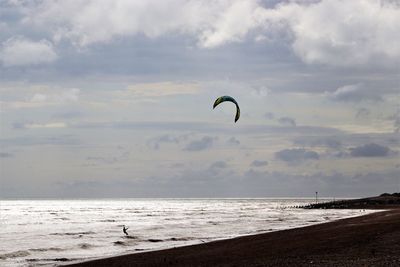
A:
330, 142
296, 155
167, 138
343, 141
269, 115
370, 150
205, 127
362, 113
203, 183
233, 141
218, 165
215, 180
259, 163
287, 121
337, 183
18, 125
177, 165
5, 155
202, 144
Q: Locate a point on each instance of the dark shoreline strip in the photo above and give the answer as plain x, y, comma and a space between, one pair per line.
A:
370, 240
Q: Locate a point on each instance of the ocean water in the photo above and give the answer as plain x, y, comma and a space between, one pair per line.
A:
52, 232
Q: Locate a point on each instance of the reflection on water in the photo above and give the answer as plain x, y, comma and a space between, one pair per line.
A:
53, 231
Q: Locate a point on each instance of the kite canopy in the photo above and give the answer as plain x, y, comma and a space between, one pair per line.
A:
230, 99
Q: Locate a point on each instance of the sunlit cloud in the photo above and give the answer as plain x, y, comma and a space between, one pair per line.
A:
42, 125
45, 97
355, 93
19, 51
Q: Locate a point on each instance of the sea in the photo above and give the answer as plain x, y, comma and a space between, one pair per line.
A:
55, 232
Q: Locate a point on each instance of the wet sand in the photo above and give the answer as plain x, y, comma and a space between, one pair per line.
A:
370, 240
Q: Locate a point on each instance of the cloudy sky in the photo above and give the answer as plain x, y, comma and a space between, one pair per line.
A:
114, 98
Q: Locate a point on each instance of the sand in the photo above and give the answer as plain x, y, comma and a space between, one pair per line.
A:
370, 240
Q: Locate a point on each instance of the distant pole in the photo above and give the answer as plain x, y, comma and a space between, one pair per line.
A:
398, 186
316, 197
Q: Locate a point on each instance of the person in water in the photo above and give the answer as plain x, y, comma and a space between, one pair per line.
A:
124, 230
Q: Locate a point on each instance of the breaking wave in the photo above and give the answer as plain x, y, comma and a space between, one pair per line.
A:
15, 254
45, 249
76, 233
120, 243
85, 245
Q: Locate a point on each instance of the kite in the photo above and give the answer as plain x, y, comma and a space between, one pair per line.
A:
230, 99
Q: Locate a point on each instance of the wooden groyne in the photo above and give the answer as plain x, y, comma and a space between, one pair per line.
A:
383, 201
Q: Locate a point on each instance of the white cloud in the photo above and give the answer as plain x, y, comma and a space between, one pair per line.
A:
86, 22
43, 97
233, 24
39, 98
18, 51
343, 32
355, 93
66, 96
71, 95
332, 32
44, 125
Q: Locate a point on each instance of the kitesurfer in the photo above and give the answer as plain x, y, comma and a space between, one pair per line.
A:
124, 230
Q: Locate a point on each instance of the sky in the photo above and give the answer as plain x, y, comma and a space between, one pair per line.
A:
114, 98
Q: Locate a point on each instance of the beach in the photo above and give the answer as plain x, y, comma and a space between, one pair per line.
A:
369, 240
199, 133
50, 232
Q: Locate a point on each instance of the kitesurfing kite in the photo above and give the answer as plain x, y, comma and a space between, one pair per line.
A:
230, 99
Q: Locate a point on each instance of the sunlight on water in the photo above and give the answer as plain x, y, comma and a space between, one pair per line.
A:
50, 232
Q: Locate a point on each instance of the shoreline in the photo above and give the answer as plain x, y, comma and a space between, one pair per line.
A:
280, 248
201, 242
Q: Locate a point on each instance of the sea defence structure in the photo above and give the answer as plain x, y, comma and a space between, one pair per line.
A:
384, 201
